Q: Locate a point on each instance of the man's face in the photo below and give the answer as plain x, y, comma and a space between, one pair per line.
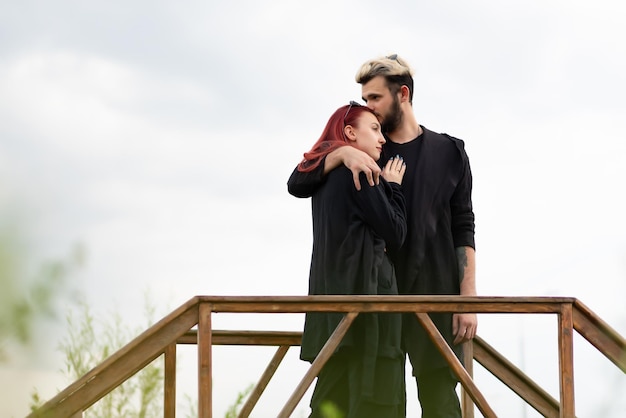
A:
386, 106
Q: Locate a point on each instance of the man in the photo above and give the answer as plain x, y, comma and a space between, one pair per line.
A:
438, 255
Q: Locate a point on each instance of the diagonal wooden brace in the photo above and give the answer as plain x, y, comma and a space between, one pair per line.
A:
455, 365
318, 363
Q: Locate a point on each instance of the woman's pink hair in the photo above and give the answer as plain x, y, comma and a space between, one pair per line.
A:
333, 136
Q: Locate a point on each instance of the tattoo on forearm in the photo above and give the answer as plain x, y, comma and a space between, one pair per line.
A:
461, 256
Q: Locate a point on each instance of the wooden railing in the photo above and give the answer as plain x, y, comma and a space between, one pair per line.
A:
176, 328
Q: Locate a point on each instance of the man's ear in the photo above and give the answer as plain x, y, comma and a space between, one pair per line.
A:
404, 93
349, 132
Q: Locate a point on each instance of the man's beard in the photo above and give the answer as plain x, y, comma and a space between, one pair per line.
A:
393, 119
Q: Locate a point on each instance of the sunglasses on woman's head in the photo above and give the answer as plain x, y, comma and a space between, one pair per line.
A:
352, 103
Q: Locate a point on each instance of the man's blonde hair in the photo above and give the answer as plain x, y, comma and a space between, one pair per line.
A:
397, 72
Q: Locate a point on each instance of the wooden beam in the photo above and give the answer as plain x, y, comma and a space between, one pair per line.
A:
368, 303
256, 338
515, 379
262, 384
321, 359
600, 334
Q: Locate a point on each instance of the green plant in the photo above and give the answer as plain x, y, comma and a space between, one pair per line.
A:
28, 297
87, 344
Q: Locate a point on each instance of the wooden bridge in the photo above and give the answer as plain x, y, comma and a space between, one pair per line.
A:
191, 324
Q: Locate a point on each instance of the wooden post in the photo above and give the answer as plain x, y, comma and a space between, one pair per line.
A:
169, 390
566, 361
467, 405
205, 401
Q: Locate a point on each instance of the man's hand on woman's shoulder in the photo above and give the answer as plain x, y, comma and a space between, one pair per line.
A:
357, 161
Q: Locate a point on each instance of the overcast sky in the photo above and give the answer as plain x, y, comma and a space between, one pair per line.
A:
160, 136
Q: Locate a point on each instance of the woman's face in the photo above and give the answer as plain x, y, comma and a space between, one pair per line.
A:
368, 136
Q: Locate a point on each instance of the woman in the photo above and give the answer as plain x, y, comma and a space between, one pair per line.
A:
353, 232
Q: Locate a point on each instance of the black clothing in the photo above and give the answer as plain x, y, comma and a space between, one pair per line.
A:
351, 232
339, 383
436, 391
437, 187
